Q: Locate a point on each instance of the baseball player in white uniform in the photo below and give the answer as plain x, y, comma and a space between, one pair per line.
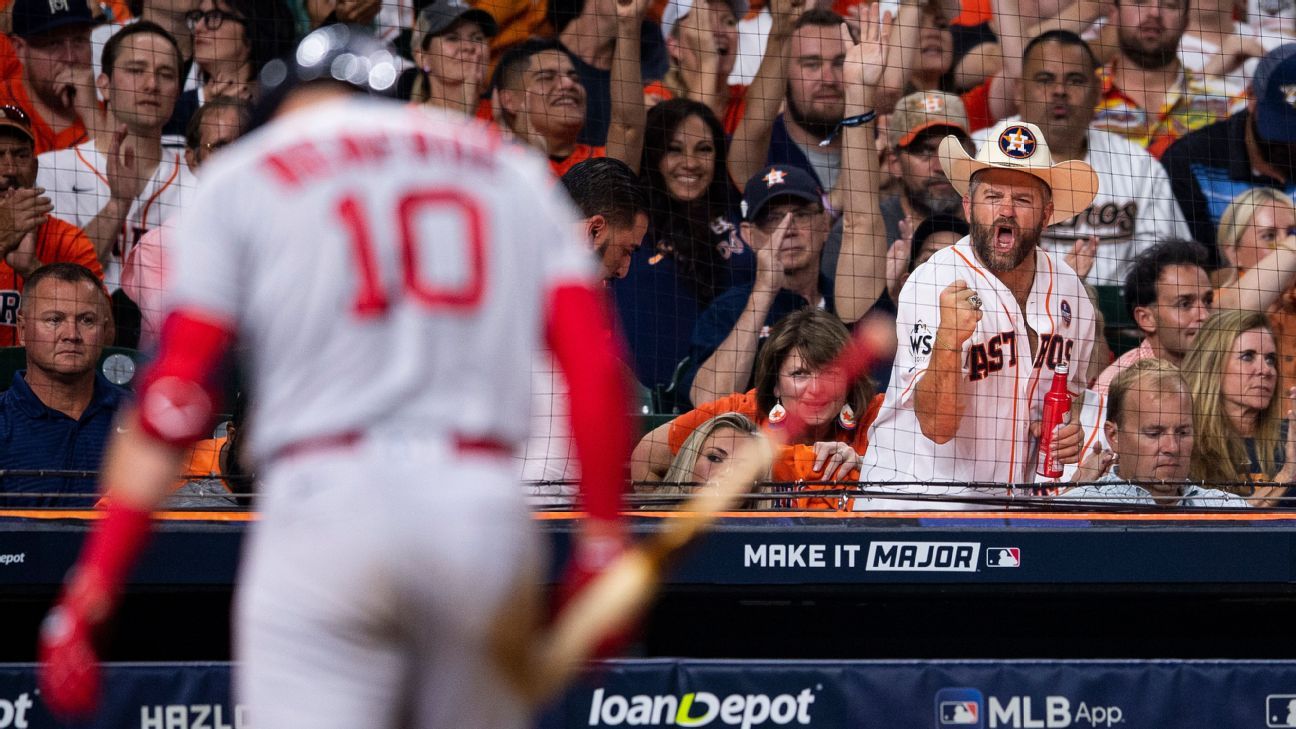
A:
391, 272
983, 324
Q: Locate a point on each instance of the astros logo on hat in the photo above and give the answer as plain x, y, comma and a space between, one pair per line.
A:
1017, 142
1021, 147
775, 177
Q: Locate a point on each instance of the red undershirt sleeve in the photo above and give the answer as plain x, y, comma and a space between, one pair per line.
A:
578, 329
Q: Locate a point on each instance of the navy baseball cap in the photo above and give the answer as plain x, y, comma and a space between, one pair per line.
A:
1274, 88
436, 18
778, 181
34, 17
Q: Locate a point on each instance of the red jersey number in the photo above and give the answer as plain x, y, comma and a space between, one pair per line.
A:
372, 299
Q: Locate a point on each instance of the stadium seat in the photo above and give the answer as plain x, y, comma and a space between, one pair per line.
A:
1122, 333
119, 364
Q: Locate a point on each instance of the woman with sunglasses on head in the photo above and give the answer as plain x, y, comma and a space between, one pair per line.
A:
233, 39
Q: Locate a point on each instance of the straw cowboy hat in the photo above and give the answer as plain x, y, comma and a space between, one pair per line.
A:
1019, 145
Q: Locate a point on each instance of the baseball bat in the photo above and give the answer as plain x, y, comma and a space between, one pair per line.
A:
618, 595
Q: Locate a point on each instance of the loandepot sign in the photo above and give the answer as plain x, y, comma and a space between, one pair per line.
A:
700, 708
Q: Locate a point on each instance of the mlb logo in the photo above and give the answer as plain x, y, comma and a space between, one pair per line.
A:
1280, 710
1066, 313
959, 707
1003, 557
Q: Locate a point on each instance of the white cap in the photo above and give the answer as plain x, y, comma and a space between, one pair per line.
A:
1018, 145
677, 9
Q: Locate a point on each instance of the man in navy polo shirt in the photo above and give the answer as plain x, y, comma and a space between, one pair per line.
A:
786, 223
58, 412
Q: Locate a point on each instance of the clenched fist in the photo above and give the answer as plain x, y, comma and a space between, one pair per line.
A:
960, 310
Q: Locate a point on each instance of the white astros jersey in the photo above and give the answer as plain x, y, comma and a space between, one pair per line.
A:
1004, 381
1133, 210
388, 267
77, 184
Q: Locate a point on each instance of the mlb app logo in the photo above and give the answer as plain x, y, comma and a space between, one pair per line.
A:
1003, 557
1280, 710
959, 707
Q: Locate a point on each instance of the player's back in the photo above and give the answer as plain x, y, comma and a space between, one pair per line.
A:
387, 267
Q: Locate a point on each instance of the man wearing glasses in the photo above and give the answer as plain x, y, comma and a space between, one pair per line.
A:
1148, 96
56, 88
29, 236
786, 223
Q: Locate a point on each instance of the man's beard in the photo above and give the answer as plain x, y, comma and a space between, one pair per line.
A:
819, 128
984, 244
939, 200
1150, 59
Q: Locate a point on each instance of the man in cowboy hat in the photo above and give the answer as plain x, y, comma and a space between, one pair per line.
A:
983, 325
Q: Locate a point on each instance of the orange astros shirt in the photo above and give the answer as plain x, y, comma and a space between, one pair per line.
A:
12, 92
581, 153
795, 462
57, 241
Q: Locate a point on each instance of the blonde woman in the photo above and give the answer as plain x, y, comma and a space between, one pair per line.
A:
451, 47
1260, 270
1232, 372
705, 455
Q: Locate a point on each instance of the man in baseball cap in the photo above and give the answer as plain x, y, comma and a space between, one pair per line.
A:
52, 40
917, 126
702, 43
29, 236
785, 221
985, 323
1254, 147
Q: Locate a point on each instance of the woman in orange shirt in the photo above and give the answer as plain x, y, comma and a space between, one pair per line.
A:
790, 381
706, 454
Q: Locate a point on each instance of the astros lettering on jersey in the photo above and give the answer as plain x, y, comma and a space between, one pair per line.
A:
1004, 377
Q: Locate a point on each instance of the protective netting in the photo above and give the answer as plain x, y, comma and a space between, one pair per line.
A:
1017, 184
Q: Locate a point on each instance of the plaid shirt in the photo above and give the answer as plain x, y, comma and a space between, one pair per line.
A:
1192, 103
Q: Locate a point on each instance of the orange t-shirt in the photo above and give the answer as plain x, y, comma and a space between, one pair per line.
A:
795, 462
10, 65
977, 103
518, 20
581, 153
57, 241
14, 93
656, 93
974, 12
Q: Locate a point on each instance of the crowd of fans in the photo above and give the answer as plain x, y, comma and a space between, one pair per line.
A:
754, 181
